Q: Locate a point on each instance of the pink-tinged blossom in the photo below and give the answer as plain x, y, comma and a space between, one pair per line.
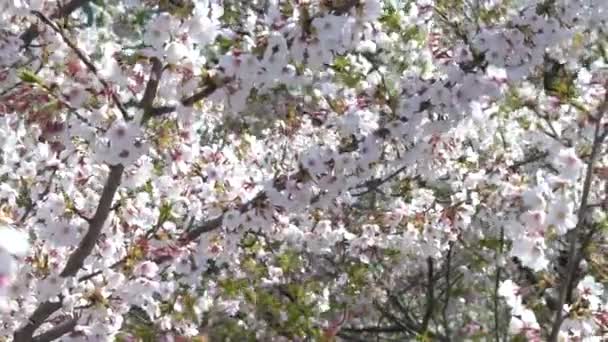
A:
592, 291
12, 244
146, 269
583, 328
7, 269
561, 215
569, 164
523, 321
510, 292
534, 199
513, 229
300, 165
230, 307
158, 31
534, 222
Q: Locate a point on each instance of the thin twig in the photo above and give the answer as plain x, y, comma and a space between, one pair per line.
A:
186, 102
374, 184
98, 272
45, 192
534, 158
397, 321
64, 11
87, 62
444, 311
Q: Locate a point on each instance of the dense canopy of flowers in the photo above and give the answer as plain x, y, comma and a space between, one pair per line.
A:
290, 170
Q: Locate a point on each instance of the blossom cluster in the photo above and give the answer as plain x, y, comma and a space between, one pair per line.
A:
289, 170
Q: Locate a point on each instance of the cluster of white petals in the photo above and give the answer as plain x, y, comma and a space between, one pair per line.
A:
289, 170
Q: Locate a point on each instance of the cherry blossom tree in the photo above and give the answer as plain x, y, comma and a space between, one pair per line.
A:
295, 170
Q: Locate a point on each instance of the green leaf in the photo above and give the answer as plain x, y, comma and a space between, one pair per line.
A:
29, 76
492, 244
288, 261
165, 212
341, 63
233, 287
558, 81
224, 43
392, 20
141, 17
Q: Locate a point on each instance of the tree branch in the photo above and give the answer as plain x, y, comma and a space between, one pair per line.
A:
567, 286
42, 312
448, 292
57, 331
343, 7
499, 254
151, 88
76, 259
101, 214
